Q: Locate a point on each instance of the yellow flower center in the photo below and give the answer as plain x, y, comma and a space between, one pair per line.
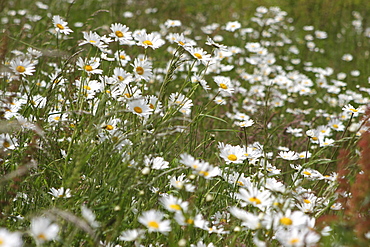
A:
181, 43
315, 138
255, 200
120, 78
57, 118
204, 173
175, 207
119, 34
190, 221
109, 127
286, 221
87, 87
223, 86
354, 110
21, 69
197, 55
232, 157
307, 173
6, 144
92, 41
151, 106
140, 70
153, 224
60, 26
41, 236
138, 109
147, 42
240, 183
127, 95
122, 56
335, 126
88, 68
294, 241
306, 201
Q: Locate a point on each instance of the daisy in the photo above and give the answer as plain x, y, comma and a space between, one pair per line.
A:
231, 26
151, 40
297, 237
121, 76
232, 154
225, 86
210, 42
10, 239
352, 110
131, 235
154, 103
139, 107
289, 218
122, 57
183, 103
181, 40
42, 229
174, 204
152, 219
249, 220
142, 69
199, 54
60, 25
22, 67
258, 198
90, 67
288, 155
60, 193
94, 39
172, 23
120, 33
245, 124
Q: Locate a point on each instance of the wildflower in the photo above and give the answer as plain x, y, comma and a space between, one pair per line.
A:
183, 103
180, 182
225, 86
151, 40
94, 39
199, 54
42, 229
60, 25
289, 155
198, 79
139, 107
131, 235
90, 67
22, 67
174, 204
297, 132
219, 100
210, 42
10, 239
89, 216
232, 154
245, 124
142, 69
121, 76
152, 219
352, 110
182, 41
154, 103
258, 198
311, 174
298, 237
249, 220
122, 57
60, 193
347, 57
231, 26
120, 33
172, 23
157, 163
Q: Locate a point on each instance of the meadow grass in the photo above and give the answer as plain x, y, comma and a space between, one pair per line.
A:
152, 134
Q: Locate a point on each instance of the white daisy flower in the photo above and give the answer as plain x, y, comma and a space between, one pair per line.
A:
152, 219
